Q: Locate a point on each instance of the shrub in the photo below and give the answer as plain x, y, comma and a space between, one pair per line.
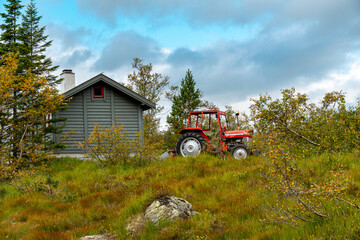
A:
327, 127
289, 131
111, 145
107, 145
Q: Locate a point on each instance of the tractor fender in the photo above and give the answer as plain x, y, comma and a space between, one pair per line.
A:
196, 130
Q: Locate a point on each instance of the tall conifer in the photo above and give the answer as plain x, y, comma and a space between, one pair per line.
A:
32, 60
188, 99
9, 42
34, 43
29, 43
9, 39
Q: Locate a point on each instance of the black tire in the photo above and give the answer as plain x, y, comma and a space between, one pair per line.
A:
239, 151
195, 144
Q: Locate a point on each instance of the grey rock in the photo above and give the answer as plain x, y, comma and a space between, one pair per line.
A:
135, 224
98, 237
169, 207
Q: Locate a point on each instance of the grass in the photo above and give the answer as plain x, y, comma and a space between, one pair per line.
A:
230, 195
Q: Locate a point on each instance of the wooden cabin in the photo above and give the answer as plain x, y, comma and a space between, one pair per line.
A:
102, 101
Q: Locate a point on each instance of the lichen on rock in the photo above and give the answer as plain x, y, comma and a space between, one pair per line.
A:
169, 207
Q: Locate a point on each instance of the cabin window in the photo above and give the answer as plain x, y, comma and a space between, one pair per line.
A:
98, 92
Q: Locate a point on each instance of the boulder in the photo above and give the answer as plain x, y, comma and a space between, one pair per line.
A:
99, 237
168, 207
135, 224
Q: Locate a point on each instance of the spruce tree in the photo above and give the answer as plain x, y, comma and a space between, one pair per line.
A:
27, 40
9, 39
9, 42
188, 99
33, 45
32, 60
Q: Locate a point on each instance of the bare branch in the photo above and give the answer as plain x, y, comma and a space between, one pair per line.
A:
296, 133
320, 214
301, 136
297, 216
354, 205
15, 186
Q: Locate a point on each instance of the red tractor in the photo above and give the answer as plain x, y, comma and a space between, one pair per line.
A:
203, 127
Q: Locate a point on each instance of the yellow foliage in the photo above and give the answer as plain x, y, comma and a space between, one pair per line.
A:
25, 102
289, 131
111, 145
327, 127
107, 145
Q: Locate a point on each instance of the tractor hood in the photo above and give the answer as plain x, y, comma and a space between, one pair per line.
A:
238, 133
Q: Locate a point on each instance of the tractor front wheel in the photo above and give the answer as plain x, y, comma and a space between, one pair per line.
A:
190, 144
239, 152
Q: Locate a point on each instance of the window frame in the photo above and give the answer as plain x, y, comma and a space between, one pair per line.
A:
102, 91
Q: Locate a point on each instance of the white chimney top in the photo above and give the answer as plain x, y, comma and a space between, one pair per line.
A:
68, 81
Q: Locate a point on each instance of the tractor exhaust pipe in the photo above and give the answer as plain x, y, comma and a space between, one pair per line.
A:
237, 120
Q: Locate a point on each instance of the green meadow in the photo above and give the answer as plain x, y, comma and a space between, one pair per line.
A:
75, 198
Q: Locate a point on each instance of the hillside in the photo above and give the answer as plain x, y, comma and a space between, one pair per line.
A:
76, 198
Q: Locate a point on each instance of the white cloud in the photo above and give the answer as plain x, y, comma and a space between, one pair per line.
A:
348, 82
305, 44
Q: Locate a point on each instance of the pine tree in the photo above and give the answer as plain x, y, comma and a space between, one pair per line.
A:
9, 39
32, 60
9, 43
34, 43
188, 99
28, 42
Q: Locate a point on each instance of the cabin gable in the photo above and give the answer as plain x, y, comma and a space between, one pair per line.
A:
103, 104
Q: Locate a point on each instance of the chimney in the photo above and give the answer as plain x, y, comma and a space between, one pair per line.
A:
68, 80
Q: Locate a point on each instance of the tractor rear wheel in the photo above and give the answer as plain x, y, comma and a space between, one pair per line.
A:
190, 144
239, 152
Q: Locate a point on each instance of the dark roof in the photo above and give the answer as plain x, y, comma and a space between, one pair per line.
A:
146, 104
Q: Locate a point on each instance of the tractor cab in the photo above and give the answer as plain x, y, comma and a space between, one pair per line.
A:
207, 122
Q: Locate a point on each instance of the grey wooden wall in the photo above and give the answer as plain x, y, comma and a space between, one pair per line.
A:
84, 112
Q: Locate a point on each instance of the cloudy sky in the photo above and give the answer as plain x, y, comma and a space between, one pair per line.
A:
236, 49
